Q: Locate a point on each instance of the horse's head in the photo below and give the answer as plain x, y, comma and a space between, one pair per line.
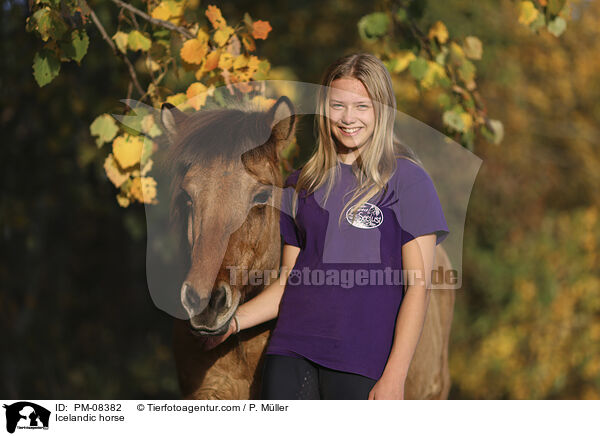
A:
225, 193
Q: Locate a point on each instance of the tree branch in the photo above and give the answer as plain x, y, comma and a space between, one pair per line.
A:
156, 21
114, 48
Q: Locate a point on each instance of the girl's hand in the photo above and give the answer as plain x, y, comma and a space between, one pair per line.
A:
387, 389
209, 342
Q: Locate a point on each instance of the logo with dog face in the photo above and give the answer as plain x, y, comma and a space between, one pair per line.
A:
368, 216
26, 415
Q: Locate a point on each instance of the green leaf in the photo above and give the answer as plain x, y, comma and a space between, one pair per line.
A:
55, 3
444, 100
539, 22
372, 26
49, 23
77, 47
401, 14
453, 120
105, 128
263, 70
147, 150
557, 26
466, 71
555, 6
218, 96
137, 41
46, 66
418, 68
248, 20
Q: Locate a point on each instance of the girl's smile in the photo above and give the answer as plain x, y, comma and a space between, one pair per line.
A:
351, 113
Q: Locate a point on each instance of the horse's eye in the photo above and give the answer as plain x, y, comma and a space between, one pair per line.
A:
186, 200
262, 197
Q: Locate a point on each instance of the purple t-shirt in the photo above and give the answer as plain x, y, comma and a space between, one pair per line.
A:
341, 299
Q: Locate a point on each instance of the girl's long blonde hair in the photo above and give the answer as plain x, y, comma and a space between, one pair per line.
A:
376, 162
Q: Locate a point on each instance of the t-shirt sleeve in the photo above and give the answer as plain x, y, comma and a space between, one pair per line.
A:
288, 228
420, 211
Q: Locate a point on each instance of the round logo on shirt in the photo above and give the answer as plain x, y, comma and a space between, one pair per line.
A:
368, 216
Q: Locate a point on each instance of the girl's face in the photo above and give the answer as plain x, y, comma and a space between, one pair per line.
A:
351, 113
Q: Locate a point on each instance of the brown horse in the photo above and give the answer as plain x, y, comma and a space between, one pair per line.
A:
224, 198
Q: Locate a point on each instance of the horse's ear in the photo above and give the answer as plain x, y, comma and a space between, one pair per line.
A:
282, 119
171, 118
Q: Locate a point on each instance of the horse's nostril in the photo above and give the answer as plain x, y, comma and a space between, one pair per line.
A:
191, 298
218, 298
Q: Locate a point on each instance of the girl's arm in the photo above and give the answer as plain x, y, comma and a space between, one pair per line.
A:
417, 260
265, 306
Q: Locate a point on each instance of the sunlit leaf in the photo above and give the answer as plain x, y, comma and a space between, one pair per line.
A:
193, 51
557, 26
46, 66
472, 47
127, 150
121, 39
372, 26
439, 31
114, 173
138, 41
105, 128
215, 17
527, 12
260, 29
77, 46
222, 35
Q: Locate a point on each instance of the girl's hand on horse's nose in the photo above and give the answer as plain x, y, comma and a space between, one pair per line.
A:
210, 342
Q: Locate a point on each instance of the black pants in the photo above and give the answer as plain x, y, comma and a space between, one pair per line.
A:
297, 378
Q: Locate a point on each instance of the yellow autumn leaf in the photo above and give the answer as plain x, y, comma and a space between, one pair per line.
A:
123, 199
253, 64
161, 12
403, 58
240, 62
248, 43
193, 51
176, 99
168, 10
457, 54
113, 172
147, 167
121, 39
527, 13
434, 70
467, 120
127, 150
214, 15
143, 189
222, 35
212, 60
151, 64
202, 36
196, 94
263, 102
225, 61
439, 31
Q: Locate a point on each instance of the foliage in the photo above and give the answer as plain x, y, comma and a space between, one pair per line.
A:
544, 342
438, 62
173, 45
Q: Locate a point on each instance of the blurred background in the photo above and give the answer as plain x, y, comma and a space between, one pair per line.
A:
77, 319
